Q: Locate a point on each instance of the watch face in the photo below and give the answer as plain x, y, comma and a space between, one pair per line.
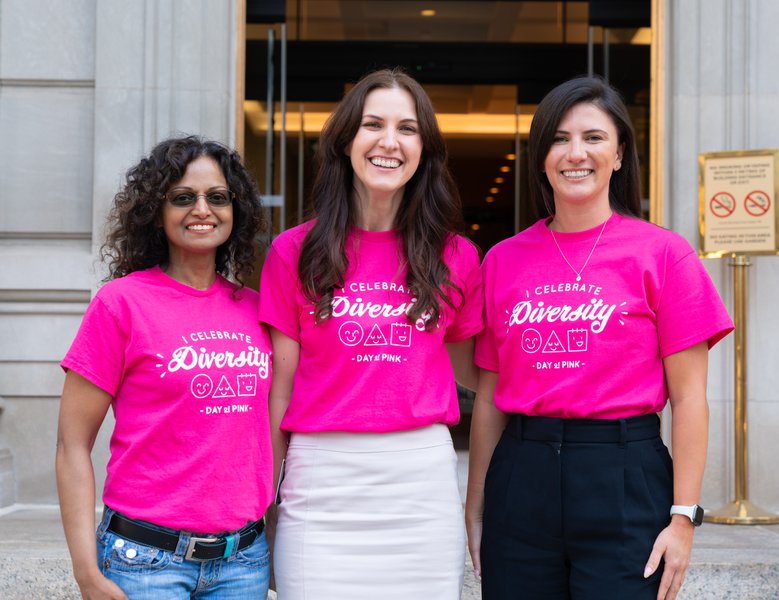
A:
697, 517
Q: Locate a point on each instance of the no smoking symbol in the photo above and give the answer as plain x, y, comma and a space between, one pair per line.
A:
722, 205
757, 203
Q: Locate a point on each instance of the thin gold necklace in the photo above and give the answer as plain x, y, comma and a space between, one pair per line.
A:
568, 262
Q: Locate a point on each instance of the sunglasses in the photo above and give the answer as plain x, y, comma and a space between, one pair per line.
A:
188, 198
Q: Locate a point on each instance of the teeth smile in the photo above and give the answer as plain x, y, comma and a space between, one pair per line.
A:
579, 173
385, 162
200, 227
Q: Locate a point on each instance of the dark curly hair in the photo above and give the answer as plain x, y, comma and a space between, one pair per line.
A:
135, 240
429, 214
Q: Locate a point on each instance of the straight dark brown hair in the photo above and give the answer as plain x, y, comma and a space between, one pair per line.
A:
624, 188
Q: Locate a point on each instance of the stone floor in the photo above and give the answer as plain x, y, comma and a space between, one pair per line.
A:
728, 562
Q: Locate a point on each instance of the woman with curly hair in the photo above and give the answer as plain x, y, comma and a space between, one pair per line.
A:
173, 346
363, 302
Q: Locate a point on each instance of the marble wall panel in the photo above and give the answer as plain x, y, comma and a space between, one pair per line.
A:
722, 89
45, 40
763, 426
47, 264
46, 159
34, 337
29, 425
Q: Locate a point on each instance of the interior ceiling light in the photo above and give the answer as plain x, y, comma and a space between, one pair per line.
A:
475, 227
490, 199
494, 190
427, 12
510, 157
505, 169
459, 124
499, 180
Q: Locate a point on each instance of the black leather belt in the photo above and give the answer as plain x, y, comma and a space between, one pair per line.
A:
200, 547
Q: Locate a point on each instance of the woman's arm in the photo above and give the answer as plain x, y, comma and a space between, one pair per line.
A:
487, 425
685, 373
82, 410
286, 353
461, 356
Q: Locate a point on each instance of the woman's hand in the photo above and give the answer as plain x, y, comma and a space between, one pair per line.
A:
674, 545
473, 528
98, 587
82, 409
487, 425
685, 373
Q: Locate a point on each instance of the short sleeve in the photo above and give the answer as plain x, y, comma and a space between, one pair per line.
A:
98, 351
690, 309
278, 305
468, 318
486, 352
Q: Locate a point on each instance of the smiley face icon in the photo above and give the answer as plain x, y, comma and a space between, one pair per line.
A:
351, 333
531, 341
400, 334
201, 385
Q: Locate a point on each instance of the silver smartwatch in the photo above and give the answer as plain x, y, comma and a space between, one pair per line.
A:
694, 513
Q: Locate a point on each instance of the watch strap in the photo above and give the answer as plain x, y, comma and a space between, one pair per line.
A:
693, 512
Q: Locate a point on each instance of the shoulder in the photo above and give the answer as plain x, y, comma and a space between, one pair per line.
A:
524, 241
292, 239
654, 238
129, 284
234, 292
460, 248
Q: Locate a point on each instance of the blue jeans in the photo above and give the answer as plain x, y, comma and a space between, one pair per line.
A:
147, 573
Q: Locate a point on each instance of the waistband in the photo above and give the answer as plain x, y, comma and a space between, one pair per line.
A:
600, 431
198, 546
389, 441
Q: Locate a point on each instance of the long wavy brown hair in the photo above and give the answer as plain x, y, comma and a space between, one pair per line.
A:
135, 239
429, 214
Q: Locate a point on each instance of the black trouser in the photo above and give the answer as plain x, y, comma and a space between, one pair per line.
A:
573, 507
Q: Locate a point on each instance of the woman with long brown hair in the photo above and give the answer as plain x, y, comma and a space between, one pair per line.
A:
366, 302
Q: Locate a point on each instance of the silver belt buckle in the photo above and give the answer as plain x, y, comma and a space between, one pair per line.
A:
191, 546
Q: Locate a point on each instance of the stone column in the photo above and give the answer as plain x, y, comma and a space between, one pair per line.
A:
86, 88
7, 483
162, 68
722, 94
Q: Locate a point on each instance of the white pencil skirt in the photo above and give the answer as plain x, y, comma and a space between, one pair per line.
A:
370, 516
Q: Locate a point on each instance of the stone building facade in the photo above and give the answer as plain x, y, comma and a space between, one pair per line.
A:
87, 86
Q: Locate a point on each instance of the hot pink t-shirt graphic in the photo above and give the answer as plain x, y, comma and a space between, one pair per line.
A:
593, 348
368, 368
189, 372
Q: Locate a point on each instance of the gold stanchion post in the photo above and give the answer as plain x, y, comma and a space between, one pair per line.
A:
741, 511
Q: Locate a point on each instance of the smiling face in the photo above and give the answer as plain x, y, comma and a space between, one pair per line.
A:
584, 154
201, 385
199, 229
400, 334
387, 149
531, 341
351, 333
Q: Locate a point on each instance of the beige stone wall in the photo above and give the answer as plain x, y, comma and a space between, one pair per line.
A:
722, 94
86, 87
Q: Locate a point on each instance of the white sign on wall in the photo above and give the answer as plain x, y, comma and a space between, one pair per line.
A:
737, 202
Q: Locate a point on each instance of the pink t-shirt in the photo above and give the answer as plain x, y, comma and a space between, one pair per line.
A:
593, 348
189, 372
367, 368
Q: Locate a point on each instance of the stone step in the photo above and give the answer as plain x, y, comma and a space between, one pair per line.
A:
728, 562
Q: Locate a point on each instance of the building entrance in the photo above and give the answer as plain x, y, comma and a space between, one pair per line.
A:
485, 63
